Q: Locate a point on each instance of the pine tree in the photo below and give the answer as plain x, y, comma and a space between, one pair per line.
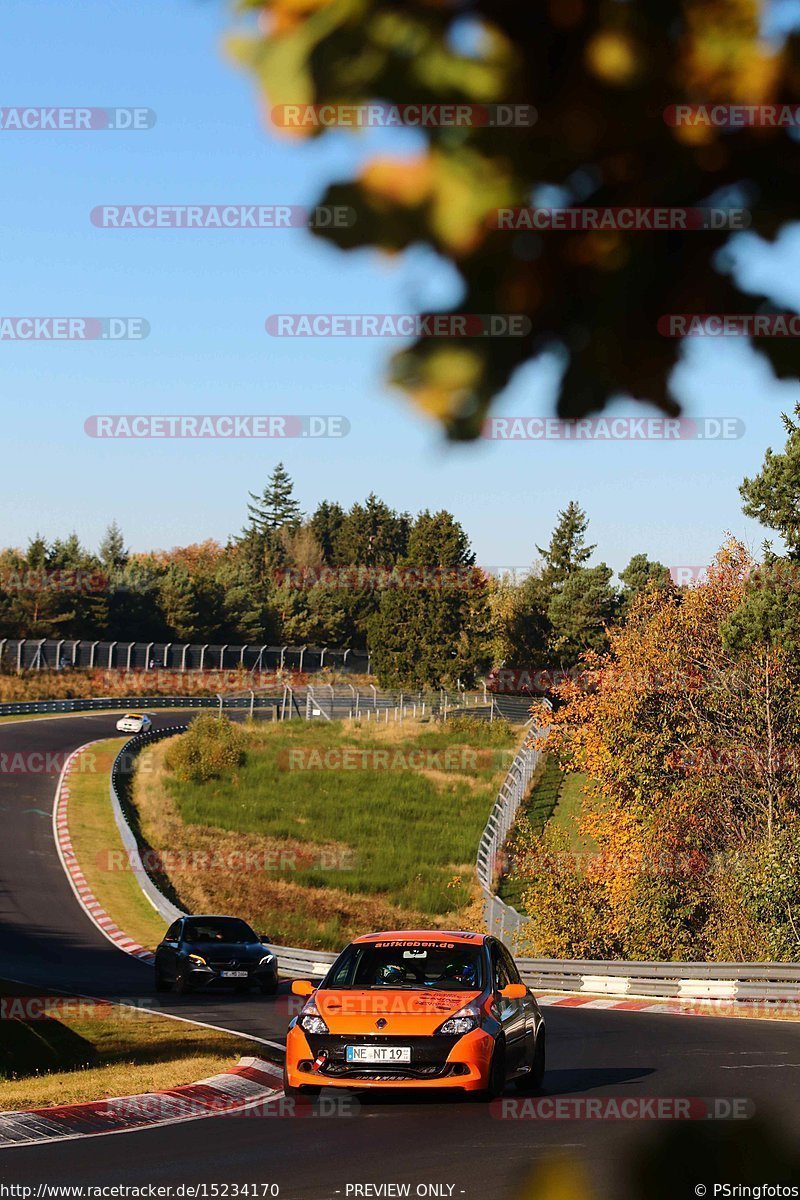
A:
567, 551
276, 507
433, 628
372, 535
580, 613
180, 604
773, 496
640, 574
113, 553
325, 524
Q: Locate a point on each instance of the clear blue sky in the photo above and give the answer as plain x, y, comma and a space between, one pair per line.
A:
206, 295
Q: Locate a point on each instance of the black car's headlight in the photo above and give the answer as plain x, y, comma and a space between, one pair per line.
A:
464, 1021
197, 960
311, 1021
266, 960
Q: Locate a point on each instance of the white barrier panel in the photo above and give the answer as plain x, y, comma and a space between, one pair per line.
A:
703, 989
612, 985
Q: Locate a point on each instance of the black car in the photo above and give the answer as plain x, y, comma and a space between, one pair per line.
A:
198, 951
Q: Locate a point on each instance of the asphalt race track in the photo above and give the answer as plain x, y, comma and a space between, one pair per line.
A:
46, 940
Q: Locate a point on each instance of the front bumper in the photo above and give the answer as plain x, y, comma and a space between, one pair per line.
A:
210, 975
436, 1061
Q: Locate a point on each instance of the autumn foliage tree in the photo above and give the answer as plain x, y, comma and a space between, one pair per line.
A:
689, 734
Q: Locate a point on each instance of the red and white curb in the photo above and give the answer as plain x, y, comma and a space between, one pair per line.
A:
240, 1090
710, 1007
570, 1000
75, 875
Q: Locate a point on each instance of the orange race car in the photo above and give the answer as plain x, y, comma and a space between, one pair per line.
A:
417, 1009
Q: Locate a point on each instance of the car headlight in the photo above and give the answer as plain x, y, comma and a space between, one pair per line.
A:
312, 1024
464, 1021
196, 958
266, 960
311, 1021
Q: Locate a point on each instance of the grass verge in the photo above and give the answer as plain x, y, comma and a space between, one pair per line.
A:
87, 1052
329, 830
555, 797
98, 846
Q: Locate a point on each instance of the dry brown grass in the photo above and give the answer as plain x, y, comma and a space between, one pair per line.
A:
85, 1052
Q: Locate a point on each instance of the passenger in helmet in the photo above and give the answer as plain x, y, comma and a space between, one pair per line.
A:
462, 972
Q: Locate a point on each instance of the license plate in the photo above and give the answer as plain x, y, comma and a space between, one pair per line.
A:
233, 974
378, 1054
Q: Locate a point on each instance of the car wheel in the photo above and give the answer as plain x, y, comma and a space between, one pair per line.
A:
308, 1090
497, 1074
533, 1080
161, 983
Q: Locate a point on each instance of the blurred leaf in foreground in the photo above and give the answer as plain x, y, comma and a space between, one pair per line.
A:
604, 79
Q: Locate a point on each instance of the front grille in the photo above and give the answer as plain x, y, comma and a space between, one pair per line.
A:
428, 1055
387, 1073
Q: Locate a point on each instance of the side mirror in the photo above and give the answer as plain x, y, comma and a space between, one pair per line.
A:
514, 991
302, 987
262, 937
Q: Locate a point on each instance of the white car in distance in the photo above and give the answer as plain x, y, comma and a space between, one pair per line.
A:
134, 723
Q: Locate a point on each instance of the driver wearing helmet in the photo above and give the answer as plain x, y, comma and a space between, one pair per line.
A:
390, 974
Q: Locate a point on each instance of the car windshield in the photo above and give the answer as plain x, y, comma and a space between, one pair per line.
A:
218, 929
409, 965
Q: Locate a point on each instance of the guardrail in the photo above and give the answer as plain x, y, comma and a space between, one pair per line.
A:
366, 704
164, 907
767, 982
138, 703
501, 919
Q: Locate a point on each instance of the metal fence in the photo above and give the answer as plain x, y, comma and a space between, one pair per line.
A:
282, 701
40, 654
501, 919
